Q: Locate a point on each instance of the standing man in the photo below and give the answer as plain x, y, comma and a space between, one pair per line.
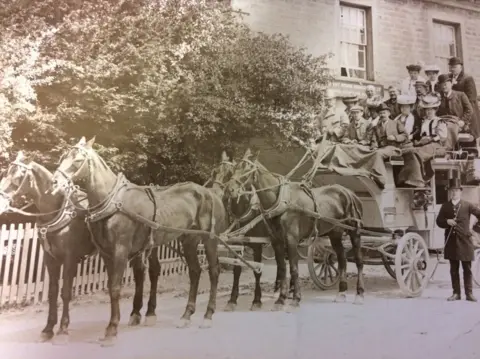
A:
465, 83
454, 216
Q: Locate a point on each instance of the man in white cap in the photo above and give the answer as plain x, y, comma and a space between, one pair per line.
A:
369, 99
358, 127
432, 71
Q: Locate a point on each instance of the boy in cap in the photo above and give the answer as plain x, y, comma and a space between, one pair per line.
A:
387, 131
454, 217
358, 130
407, 86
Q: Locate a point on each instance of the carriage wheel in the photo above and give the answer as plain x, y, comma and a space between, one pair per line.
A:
267, 252
323, 267
411, 262
476, 268
389, 263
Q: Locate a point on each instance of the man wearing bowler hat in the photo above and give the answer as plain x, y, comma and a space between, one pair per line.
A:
465, 83
454, 216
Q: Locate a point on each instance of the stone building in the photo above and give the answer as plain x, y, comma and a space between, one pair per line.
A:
373, 40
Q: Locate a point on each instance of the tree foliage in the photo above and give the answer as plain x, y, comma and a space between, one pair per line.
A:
164, 85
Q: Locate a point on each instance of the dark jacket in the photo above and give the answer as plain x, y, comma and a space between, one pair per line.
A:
466, 83
457, 104
458, 242
394, 108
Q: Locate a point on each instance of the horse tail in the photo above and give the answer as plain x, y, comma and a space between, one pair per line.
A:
355, 207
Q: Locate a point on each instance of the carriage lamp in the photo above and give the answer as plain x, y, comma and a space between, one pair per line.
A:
422, 199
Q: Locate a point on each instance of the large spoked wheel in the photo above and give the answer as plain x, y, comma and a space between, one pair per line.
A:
389, 263
322, 266
476, 267
411, 262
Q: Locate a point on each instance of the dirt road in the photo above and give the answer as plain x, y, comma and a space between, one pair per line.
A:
387, 326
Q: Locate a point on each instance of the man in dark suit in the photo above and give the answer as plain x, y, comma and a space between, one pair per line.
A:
454, 216
465, 83
392, 102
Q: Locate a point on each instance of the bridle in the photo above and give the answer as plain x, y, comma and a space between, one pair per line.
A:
26, 176
69, 178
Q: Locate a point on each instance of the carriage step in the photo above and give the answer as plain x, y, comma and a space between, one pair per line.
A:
238, 262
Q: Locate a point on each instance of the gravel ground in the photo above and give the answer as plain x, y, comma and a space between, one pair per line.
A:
387, 326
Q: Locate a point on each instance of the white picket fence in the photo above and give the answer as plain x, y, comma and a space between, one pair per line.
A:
24, 278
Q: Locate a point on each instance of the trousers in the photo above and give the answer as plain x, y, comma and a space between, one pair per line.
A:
467, 276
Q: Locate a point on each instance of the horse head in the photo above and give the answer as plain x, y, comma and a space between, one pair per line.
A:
74, 165
17, 182
222, 173
244, 175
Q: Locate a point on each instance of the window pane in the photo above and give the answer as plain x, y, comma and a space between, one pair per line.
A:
445, 42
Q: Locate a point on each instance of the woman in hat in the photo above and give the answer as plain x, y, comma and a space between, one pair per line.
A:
406, 118
429, 137
454, 217
432, 71
407, 86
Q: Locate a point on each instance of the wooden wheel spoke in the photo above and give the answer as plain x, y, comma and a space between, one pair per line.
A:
419, 254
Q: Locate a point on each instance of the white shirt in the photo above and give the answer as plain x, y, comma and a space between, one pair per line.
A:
407, 86
455, 202
407, 121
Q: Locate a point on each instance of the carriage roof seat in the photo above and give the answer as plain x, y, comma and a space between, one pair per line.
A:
465, 137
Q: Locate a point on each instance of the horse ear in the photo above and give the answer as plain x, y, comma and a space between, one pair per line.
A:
20, 156
91, 141
247, 154
224, 156
82, 142
257, 154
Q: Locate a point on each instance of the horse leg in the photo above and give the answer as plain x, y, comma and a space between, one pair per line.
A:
53, 268
69, 271
139, 279
194, 271
336, 241
356, 244
280, 282
211, 251
257, 257
115, 267
293, 235
232, 302
153, 273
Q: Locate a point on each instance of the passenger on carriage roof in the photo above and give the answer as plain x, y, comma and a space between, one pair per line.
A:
370, 99
432, 71
392, 102
406, 117
433, 130
407, 86
358, 130
388, 132
421, 90
455, 109
349, 101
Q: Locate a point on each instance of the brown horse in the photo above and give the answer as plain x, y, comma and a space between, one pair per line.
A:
65, 240
287, 205
126, 220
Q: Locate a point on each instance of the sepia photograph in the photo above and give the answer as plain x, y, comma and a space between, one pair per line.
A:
239, 179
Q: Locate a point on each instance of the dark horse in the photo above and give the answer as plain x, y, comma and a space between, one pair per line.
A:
126, 219
289, 204
65, 239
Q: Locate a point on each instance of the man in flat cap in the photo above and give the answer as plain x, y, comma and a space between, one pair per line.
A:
454, 217
465, 83
407, 86
455, 108
392, 101
349, 101
432, 71
358, 129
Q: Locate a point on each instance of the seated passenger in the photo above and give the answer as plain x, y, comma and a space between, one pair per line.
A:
337, 132
388, 132
432, 136
358, 128
406, 117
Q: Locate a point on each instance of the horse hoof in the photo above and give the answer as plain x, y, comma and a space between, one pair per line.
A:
359, 299
45, 337
277, 307
255, 307
135, 319
206, 324
150, 320
107, 341
60, 339
340, 298
183, 323
230, 307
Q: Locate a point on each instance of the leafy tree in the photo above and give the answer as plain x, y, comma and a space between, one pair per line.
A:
164, 85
